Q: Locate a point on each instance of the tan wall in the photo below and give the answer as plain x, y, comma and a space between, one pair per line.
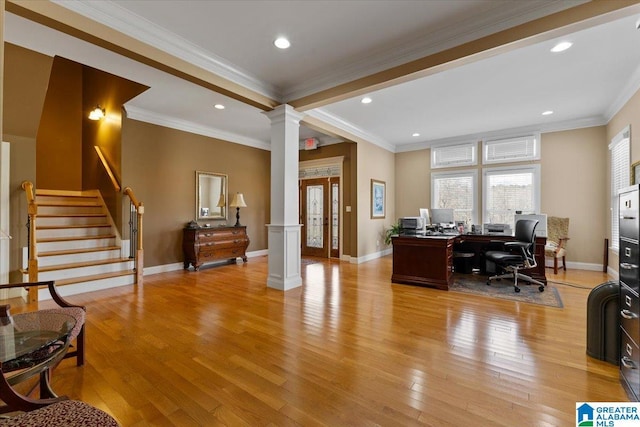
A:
575, 185
349, 190
379, 164
159, 164
59, 140
628, 115
413, 182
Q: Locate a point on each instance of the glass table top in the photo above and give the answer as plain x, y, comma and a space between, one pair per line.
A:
27, 337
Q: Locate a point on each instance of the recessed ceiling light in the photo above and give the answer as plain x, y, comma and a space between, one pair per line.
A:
366, 100
219, 106
415, 134
561, 47
547, 113
282, 43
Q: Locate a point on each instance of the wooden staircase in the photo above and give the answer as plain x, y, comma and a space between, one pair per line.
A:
77, 244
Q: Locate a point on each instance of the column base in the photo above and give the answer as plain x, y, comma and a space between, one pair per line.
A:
284, 256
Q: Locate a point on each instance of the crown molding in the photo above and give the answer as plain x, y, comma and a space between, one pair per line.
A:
120, 19
630, 89
507, 133
350, 128
186, 126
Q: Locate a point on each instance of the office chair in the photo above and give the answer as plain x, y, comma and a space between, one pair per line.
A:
517, 255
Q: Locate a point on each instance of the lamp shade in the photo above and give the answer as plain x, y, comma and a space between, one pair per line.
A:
97, 113
221, 201
238, 201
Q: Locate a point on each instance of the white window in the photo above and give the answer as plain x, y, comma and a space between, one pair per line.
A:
510, 189
456, 190
515, 149
453, 155
620, 162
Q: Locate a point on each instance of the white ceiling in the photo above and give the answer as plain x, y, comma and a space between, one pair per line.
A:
335, 42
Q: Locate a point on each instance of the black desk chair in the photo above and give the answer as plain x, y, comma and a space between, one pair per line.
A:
517, 255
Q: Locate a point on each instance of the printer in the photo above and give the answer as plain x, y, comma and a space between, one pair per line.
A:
497, 229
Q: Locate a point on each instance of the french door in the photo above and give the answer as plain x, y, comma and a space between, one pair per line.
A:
320, 212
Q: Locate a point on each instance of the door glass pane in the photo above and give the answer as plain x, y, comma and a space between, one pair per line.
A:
334, 215
315, 213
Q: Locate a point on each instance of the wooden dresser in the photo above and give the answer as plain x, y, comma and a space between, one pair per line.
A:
209, 244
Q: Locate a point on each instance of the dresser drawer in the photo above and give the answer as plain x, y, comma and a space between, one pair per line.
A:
629, 268
629, 313
630, 363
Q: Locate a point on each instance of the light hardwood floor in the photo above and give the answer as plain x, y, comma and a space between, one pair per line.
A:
217, 347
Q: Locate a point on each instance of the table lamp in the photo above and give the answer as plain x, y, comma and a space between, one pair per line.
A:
238, 202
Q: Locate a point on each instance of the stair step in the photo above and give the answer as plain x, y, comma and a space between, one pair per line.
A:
62, 227
71, 215
72, 238
65, 193
77, 251
71, 281
83, 264
70, 203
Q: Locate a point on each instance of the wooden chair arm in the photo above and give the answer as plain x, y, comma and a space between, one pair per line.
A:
52, 290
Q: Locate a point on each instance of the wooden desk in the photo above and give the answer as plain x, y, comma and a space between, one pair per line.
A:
423, 260
428, 260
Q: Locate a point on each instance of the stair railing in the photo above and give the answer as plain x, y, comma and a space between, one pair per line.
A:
136, 252
32, 211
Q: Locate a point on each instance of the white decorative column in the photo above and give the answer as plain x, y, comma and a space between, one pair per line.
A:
285, 228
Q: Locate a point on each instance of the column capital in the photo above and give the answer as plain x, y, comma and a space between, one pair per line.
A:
284, 112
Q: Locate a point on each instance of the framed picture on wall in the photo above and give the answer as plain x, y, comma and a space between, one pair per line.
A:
635, 173
378, 198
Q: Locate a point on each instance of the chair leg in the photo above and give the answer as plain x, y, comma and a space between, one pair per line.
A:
555, 265
80, 351
564, 263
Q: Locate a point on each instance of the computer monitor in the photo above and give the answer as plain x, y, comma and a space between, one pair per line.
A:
441, 216
424, 213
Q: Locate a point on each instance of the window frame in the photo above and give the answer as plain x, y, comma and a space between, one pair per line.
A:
515, 169
473, 173
487, 143
472, 161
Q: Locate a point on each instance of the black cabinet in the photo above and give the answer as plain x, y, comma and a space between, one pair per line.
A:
629, 319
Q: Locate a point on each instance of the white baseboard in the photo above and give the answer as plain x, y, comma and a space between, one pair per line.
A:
157, 269
371, 257
576, 265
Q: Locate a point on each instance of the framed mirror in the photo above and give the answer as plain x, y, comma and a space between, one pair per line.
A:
211, 196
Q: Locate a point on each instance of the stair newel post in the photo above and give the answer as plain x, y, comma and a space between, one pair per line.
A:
32, 211
140, 251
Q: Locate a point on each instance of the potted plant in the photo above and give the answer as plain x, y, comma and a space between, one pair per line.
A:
393, 231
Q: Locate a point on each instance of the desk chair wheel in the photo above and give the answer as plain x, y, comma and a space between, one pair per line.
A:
516, 289
541, 288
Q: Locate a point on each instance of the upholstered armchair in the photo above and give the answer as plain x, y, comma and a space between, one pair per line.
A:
67, 413
557, 237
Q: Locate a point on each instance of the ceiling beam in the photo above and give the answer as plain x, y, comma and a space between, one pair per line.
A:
62, 19
580, 17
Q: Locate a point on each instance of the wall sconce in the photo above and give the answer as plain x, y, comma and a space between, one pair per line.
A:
97, 113
238, 202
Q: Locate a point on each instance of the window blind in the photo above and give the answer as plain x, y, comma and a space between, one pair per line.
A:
620, 177
512, 149
453, 155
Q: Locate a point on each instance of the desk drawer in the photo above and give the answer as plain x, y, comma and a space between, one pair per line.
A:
629, 311
630, 362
